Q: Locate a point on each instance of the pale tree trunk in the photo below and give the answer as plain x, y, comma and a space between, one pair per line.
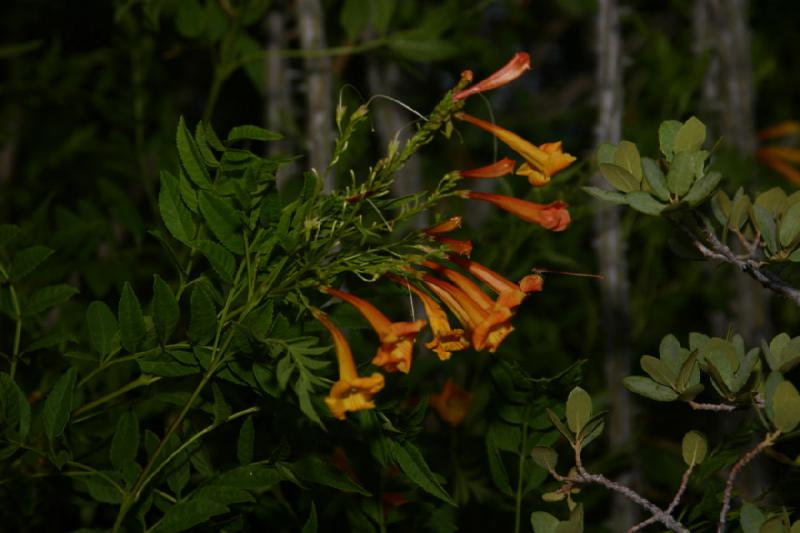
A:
611, 247
721, 31
278, 107
319, 99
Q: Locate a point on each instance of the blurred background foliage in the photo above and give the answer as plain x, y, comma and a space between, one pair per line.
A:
91, 92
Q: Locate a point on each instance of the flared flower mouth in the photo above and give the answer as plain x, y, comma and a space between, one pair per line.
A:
445, 338
452, 403
541, 162
509, 72
351, 392
396, 338
487, 329
553, 216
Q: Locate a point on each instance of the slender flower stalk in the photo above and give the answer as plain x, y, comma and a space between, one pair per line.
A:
553, 216
397, 338
452, 403
487, 329
445, 339
495, 170
352, 392
541, 162
512, 70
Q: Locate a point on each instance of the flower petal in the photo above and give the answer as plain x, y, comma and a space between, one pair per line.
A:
512, 70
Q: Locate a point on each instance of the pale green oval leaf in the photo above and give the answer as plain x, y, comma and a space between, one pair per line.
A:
579, 409
694, 448
690, 136
650, 389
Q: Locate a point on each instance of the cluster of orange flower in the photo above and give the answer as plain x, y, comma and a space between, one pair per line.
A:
485, 321
782, 159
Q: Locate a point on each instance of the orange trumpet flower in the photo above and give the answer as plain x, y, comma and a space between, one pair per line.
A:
452, 223
512, 70
397, 338
541, 162
495, 170
351, 392
455, 245
452, 403
487, 329
445, 339
553, 216
510, 294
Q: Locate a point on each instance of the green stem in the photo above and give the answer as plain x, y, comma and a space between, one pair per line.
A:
17, 331
521, 474
144, 477
142, 381
213, 93
132, 357
196, 436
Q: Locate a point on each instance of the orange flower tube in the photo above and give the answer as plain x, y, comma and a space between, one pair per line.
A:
455, 245
397, 338
553, 216
512, 70
445, 339
541, 162
495, 170
510, 294
451, 224
351, 392
487, 329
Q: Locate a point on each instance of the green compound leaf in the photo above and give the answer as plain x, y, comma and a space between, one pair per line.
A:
189, 513
102, 326
579, 409
131, 320
252, 133
26, 261
694, 448
176, 216
191, 158
223, 220
409, 459
58, 404
220, 259
166, 311
48, 297
202, 317
649, 389
125, 443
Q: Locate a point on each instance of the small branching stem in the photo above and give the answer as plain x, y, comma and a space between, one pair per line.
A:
673, 504
585, 477
697, 406
705, 240
768, 441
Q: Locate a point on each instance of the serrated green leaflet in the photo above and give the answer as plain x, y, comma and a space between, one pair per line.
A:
131, 320
253, 133
102, 326
26, 261
177, 218
166, 311
125, 443
202, 317
58, 404
220, 259
190, 157
223, 220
